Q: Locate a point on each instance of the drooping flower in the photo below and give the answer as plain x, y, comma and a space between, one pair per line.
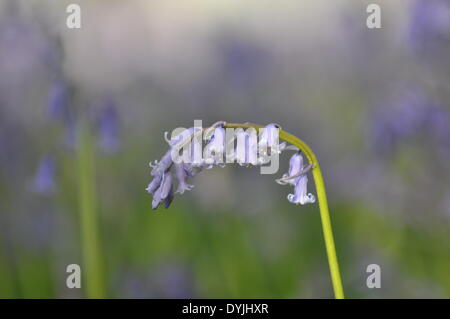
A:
163, 165
179, 139
269, 140
301, 195
297, 176
295, 168
215, 149
246, 147
164, 192
190, 143
154, 184
181, 173
245, 153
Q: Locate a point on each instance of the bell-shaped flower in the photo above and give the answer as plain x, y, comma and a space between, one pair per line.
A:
162, 166
246, 147
189, 143
180, 138
295, 168
154, 184
181, 174
269, 140
301, 195
164, 192
215, 149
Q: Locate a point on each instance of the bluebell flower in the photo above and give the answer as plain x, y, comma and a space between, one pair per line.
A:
108, 126
297, 176
295, 168
179, 139
190, 144
301, 195
191, 170
164, 192
163, 165
246, 147
44, 180
181, 172
215, 149
154, 184
269, 140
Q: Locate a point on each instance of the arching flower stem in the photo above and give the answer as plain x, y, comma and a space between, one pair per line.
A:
322, 199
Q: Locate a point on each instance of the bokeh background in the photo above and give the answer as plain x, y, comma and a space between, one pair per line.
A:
83, 112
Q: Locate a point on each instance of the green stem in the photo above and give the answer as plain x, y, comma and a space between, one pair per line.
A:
323, 204
92, 270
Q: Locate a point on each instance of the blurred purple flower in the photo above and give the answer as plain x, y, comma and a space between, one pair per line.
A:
243, 61
37, 229
44, 180
58, 108
409, 116
430, 25
58, 101
401, 118
174, 280
164, 192
438, 122
108, 127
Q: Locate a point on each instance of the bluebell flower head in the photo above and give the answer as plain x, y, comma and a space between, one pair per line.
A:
245, 153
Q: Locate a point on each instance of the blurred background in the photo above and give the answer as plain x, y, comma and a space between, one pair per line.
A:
83, 112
